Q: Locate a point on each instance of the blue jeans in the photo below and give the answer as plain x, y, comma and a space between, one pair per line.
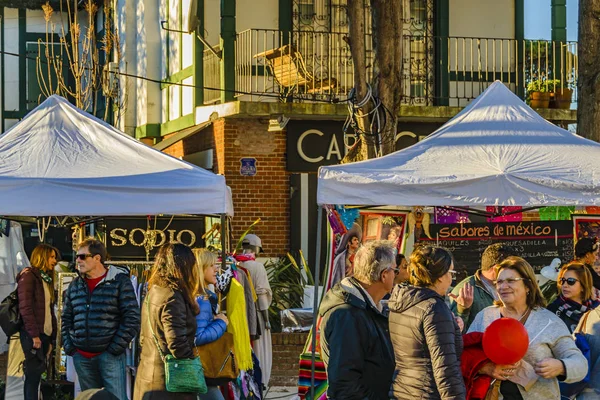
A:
103, 371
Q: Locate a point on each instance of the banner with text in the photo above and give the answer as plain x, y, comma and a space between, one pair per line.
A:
137, 238
538, 242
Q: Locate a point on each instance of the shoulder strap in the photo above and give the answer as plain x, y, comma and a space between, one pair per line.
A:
162, 356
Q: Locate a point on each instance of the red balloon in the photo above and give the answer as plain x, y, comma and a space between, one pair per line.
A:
505, 341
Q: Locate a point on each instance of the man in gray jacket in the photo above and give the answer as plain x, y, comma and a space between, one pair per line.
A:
477, 292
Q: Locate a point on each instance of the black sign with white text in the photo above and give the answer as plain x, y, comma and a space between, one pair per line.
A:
311, 144
133, 238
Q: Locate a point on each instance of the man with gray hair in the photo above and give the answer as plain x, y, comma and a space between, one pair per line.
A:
355, 339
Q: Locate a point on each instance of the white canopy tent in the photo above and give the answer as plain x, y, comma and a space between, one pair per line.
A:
497, 151
62, 161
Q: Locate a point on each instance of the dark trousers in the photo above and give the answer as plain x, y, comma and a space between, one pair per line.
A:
34, 364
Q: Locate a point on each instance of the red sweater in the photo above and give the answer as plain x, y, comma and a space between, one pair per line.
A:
471, 361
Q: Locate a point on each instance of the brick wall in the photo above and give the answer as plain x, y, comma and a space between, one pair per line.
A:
287, 348
265, 195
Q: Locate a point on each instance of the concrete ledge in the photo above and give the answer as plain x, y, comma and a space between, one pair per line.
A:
339, 111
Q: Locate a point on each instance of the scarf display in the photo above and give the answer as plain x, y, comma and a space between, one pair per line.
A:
571, 311
47, 278
238, 325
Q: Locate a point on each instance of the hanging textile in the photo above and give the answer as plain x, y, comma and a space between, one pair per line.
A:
592, 210
445, 216
238, 325
501, 212
12, 255
334, 220
4, 227
556, 213
348, 215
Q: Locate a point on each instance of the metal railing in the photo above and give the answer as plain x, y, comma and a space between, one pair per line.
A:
308, 65
212, 77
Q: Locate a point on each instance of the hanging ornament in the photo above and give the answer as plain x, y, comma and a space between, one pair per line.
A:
500, 213
418, 223
556, 213
335, 221
446, 216
347, 215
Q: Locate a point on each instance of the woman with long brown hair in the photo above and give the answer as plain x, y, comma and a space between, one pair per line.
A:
171, 315
36, 306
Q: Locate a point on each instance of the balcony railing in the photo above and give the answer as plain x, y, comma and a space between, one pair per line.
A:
305, 66
212, 77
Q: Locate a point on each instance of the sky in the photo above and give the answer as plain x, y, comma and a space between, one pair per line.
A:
538, 23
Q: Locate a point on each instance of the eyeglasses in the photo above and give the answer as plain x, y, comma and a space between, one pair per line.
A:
569, 281
396, 271
509, 281
84, 256
453, 272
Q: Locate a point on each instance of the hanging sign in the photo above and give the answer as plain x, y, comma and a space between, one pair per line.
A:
135, 238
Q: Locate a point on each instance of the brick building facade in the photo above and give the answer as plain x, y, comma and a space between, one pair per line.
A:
266, 195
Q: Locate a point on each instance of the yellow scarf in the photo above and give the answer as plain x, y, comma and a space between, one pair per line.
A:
238, 325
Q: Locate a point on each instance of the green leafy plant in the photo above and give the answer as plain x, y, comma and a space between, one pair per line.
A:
539, 85
287, 285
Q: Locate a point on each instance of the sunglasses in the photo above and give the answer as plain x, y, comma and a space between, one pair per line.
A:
569, 281
84, 256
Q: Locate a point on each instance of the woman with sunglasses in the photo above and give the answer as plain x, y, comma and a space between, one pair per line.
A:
575, 294
552, 354
426, 338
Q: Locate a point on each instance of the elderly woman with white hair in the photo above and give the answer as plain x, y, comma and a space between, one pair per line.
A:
355, 342
426, 338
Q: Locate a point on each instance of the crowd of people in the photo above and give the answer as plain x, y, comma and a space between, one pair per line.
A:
425, 341
179, 314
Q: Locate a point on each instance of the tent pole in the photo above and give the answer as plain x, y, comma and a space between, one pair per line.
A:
224, 234
316, 300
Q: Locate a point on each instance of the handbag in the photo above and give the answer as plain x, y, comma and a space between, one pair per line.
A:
182, 375
571, 390
10, 318
218, 359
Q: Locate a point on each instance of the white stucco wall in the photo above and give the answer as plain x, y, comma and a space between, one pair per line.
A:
37, 24
257, 14
11, 63
484, 19
212, 21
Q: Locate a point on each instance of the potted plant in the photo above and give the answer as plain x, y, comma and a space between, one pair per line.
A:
538, 93
562, 95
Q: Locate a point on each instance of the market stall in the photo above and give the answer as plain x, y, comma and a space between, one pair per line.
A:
495, 152
63, 166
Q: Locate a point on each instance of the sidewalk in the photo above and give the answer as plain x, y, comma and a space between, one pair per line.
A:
282, 393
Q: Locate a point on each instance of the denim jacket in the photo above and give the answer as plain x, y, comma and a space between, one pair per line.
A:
209, 329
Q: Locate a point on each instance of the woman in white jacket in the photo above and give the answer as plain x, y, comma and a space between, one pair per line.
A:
552, 354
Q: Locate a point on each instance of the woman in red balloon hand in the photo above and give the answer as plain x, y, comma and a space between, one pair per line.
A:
575, 289
551, 354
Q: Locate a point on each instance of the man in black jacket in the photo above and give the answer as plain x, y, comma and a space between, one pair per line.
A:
100, 317
355, 338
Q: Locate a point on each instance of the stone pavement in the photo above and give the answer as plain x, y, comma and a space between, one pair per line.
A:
282, 393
